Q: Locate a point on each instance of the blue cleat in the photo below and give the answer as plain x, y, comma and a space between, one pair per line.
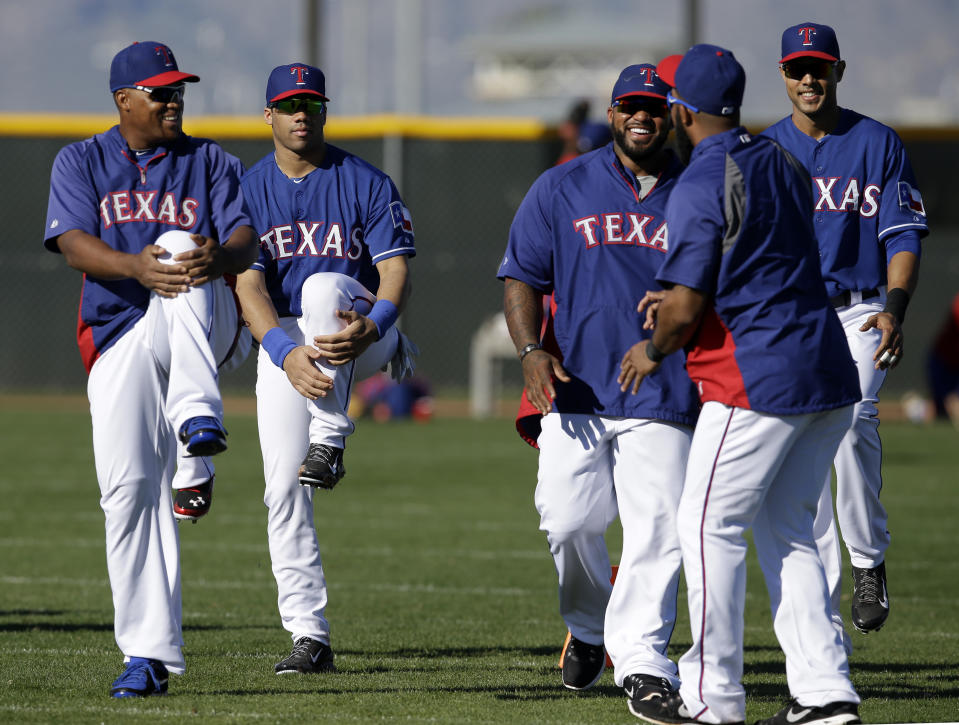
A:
203, 436
141, 678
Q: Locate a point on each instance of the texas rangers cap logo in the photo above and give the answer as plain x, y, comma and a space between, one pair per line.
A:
639, 80
295, 79
299, 71
812, 40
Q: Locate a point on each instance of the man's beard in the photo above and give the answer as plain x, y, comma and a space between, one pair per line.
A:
634, 154
684, 146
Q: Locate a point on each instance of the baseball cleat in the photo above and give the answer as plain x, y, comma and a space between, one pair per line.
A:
190, 504
583, 664
323, 466
870, 600
646, 687
308, 655
668, 710
141, 677
203, 436
835, 713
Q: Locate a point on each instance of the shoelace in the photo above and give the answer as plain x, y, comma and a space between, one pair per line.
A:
302, 646
869, 586
132, 675
322, 454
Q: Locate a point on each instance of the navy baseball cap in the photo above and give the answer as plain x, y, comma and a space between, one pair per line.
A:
295, 79
708, 77
639, 80
810, 40
146, 63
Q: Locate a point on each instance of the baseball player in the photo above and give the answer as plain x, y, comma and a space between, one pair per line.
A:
154, 219
592, 233
868, 219
332, 230
765, 349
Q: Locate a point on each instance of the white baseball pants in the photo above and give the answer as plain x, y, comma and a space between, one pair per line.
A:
862, 518
590, 466
287, 424
748, 469
142, 389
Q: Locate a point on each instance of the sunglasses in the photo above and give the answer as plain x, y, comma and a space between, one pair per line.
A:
632, 106
796, 70
164, 94
671, 100
294, 105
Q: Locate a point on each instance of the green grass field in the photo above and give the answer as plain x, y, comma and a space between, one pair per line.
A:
442, 592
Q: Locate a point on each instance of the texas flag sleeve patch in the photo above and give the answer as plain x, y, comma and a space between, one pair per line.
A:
910, 199
401, 217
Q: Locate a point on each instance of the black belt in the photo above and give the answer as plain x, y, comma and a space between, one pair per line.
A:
844, 298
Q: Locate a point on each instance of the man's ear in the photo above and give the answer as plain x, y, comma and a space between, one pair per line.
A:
840, 70
268, 116
121, 99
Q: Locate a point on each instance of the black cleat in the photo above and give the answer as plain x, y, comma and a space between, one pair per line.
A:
583, 664
870, 600
646, 687
835, 713
308, 655
190, 504
668, 710
323, 466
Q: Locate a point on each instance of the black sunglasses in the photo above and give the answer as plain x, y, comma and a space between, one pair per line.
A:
632, 106
294, 105
796, 70
164, 94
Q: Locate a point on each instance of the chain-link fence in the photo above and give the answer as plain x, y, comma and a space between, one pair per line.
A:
462, 192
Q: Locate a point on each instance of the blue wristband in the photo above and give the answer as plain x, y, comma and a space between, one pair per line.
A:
383, 314
278, 344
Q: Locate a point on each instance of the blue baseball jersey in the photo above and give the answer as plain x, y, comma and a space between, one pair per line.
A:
740, 226
345, 216
101, 187
583, 234
866, 203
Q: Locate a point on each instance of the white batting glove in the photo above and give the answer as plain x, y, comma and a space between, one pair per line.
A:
402, 365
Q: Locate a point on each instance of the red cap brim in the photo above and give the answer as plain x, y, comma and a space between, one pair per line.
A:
809, 54
643, 94
298, 92
168, 79
667, 69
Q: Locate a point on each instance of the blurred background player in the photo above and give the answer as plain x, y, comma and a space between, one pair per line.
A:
591, 233
578, 134
742, 254
156, 320
332, 229
869, 218
942, 367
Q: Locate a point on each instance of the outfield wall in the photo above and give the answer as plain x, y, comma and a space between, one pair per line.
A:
462, 180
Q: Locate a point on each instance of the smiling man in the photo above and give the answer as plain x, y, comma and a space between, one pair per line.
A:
868, 219
592, 232
154, 219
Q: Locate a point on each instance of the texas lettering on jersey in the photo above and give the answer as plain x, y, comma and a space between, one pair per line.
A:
629, 229
832, 195
311, 239
121, 207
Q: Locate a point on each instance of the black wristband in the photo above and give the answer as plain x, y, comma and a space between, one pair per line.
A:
654, 353
897, 299
528, 349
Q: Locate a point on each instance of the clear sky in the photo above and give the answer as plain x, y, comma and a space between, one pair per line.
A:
903, 56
